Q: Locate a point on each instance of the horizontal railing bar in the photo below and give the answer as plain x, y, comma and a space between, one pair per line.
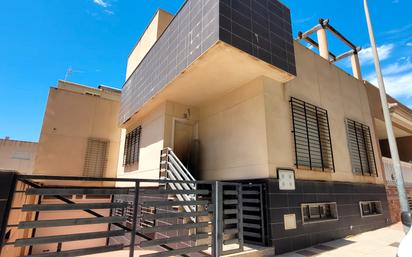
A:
76, 191
251, 234
69, 222
231, 241
175, 215
173, 240
66, 238
174, 192
230, 211
174, 203
173, 227
81, 252
77, 206
70, 178
231, 231
229, 202
177, 252
251, 217
230, 221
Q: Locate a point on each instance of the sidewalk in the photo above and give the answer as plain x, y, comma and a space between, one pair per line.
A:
379, 243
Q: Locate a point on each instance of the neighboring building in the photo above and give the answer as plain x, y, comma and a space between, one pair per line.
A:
402, 124
79, 136
227, 88
17, 155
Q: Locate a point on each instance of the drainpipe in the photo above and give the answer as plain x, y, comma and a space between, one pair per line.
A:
323, 40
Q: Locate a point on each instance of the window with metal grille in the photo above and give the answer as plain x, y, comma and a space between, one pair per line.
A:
361, 148
370, 208
132, 147
313, 146
96, 158
319, 212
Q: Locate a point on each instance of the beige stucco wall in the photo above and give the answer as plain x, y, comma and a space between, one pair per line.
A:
151, 143
71, 118
246, 132
233, 136
17, 155
155, 29
322, 84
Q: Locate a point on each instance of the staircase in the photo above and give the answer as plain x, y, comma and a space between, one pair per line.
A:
171, 168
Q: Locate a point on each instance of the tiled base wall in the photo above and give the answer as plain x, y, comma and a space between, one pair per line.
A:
394, 205
346, 195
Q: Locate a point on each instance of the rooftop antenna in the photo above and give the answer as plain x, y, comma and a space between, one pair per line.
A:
68, 73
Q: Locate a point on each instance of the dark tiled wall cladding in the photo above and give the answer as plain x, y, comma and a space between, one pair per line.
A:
190, 34
346, 195
261, 28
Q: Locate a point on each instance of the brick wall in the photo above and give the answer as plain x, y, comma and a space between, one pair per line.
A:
393, 202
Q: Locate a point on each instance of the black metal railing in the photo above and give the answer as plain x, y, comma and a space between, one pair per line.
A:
134, 215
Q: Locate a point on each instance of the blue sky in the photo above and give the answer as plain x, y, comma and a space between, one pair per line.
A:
40, 40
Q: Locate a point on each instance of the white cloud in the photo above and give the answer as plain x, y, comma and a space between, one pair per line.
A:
102, 3
402, 65
366, 55
409, 44
398, 78
109, 12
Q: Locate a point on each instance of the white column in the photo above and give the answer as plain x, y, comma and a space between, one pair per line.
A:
323, 44
356, 69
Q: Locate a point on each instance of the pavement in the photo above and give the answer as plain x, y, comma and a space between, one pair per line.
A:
378, 243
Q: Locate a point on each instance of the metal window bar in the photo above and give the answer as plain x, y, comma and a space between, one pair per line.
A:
361, 148
313, 146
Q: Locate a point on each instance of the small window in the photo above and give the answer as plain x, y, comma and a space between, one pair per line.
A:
361, 148
370, 208
319, 212
96, 158
132, 147
313, 145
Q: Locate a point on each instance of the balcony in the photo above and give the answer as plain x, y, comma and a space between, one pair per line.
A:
390, 172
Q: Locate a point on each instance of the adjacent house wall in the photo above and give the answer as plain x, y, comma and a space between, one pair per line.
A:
17, 155
75, 113
404, 148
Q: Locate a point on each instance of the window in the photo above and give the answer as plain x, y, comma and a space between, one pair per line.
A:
319, 212
132, 147
96, 158
313, 146
370, 208
361, 148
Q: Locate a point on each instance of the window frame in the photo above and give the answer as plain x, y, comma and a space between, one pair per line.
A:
131, 154
365, 136
306, 140
370, 202
305, 205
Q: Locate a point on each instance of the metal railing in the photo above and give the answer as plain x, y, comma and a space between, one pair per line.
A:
137, 216
390, 172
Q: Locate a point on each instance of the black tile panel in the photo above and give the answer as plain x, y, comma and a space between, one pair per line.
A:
347, 197
194, 29
261, 28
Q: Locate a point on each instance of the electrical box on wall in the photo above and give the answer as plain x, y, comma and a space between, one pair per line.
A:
286, 179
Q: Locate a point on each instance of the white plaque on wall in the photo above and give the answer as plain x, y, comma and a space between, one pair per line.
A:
286, 179
290, 221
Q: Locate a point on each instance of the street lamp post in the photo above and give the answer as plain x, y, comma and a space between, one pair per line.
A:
400, 184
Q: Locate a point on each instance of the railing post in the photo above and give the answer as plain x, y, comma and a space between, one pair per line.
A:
134, 225
217, 218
